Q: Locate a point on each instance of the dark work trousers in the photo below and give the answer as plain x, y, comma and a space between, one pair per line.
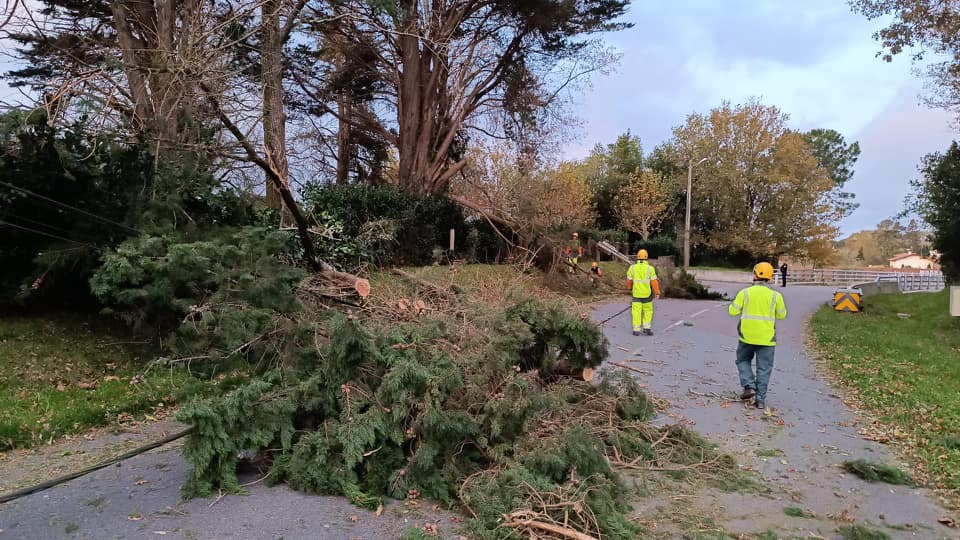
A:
760, 380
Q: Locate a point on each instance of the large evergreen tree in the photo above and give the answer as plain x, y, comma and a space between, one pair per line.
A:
463, 64
837, 158
937, 200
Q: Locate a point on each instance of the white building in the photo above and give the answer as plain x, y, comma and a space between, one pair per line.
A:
913, 260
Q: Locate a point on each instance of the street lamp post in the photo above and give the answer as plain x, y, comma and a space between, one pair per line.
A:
686, 228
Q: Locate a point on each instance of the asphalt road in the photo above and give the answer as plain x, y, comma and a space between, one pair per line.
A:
140, 498
810, 429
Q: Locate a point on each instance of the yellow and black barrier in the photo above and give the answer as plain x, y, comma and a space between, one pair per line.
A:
848, 299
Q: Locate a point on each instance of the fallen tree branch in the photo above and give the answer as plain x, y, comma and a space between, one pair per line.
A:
547, 527
635, 370
633, 466
279, 182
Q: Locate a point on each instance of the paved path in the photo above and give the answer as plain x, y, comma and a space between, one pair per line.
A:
140, 498
693, 368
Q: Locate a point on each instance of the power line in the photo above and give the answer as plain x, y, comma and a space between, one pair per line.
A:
65, 205
48, 226
28, 229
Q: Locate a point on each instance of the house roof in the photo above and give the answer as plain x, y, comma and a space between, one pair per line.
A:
899, 256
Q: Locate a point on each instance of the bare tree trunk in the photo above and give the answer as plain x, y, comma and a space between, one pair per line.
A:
344, 144
411, 104
274, 117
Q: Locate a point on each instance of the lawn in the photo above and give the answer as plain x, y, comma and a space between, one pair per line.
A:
64, 374
904, 371
496, 284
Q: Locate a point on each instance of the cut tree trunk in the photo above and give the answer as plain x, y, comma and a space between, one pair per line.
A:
335, 285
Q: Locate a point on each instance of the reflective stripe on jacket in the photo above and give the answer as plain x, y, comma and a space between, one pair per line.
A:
642, 274
758, 307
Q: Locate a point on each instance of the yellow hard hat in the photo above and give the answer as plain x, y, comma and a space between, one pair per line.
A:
642, 255
763, 270
594, 265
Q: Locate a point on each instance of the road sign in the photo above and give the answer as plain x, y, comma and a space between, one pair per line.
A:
848, 299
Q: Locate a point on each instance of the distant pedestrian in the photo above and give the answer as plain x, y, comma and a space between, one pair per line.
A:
758, 308
783, 275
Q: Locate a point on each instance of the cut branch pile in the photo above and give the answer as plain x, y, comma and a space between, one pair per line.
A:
472, 409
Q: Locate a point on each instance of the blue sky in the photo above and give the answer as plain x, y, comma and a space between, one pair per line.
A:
815, 60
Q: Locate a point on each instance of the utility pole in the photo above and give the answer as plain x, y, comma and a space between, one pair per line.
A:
686, 221
686, 225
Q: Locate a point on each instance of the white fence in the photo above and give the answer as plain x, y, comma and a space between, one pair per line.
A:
926, 280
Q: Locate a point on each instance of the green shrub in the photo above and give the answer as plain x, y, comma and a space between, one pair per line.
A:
49, 251
681, 284
382, 225
659, 246
221, 298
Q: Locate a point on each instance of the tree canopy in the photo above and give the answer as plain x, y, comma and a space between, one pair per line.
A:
937, 200
760, 190
837, 158
925, 28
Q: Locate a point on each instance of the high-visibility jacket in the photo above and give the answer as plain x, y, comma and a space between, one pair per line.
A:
758, 307
575, 248
643, 275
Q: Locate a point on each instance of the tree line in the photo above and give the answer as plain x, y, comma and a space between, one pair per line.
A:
461, 98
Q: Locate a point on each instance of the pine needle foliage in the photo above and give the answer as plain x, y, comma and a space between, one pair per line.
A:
471, 410
878, 472
224, 298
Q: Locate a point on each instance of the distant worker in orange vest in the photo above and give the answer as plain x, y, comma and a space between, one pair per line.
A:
645, 287
595, 274
574, 250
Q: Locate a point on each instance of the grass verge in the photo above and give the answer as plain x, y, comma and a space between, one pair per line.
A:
904, 371
64, 374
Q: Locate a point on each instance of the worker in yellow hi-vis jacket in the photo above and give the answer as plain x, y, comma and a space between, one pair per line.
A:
758, 308
643, 284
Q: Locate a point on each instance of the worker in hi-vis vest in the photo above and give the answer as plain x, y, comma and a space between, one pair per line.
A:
574, 251
643, 284
758, 307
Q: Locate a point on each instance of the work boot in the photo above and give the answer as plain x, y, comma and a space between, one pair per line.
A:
636, 333
748, 393
760, 404
648, 331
